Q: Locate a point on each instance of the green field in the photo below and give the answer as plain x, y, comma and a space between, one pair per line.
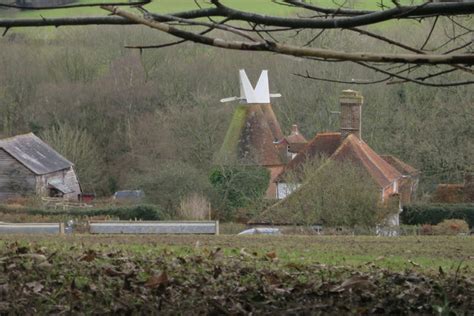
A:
236, 274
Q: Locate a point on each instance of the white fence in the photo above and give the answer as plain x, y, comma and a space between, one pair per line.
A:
150, 227
118, 227
31, 228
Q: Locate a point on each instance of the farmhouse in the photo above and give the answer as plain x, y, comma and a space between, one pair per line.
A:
390, 174
395, 180
255, 137
28, 166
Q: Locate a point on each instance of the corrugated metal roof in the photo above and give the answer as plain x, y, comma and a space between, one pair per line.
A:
34, 154
129, 194
59, 185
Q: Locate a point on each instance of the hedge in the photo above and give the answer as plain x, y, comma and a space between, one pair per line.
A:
418, 214
142, 212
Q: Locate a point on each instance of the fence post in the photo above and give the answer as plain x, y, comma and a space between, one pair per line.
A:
217, 227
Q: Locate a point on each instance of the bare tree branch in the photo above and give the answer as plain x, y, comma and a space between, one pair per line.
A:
272, 34
79, 5
403, 12
294, 50
429, 34
354, 82
406, 79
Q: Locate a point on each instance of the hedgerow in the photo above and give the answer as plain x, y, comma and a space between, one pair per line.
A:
141, 212
418, 214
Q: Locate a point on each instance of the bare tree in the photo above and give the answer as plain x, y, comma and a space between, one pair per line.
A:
427, 62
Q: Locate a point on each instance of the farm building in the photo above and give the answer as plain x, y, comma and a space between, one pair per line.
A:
255, 138
395, 180
392, 175
28, 166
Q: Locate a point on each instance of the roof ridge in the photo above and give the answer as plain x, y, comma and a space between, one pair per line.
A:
16, 136
339, 148
382, 160
375, 162
35, 154
328, 133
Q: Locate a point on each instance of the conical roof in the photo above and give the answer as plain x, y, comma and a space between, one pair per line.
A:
252, 137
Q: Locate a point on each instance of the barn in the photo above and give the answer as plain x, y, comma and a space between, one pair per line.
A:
29, 166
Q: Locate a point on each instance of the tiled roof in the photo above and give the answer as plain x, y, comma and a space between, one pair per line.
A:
295, 137
295, 141
352, 149
252, 137
322, 145
357, 151
401, 166
34, 154
296, 147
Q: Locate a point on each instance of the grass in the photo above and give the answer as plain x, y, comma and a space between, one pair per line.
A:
423, 253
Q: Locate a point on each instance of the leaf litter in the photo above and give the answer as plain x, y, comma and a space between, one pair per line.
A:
211, 281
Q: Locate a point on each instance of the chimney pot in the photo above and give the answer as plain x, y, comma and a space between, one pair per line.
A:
351, 113
294, 129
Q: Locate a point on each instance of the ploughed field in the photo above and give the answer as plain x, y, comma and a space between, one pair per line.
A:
87, 274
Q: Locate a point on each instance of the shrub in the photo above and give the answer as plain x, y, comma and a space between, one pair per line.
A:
426, 229
419, 214
167, 184
194, 207
238, 187
335, 194
451, 227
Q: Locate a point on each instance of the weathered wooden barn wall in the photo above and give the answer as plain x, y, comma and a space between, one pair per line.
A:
15, 179
66, 176
71, 180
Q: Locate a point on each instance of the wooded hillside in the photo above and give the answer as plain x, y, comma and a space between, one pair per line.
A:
154, 119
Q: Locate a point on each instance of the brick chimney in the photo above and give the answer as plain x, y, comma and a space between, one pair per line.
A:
351, 113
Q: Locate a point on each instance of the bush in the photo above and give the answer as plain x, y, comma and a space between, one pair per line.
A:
426, 229
167, 184
194, 207
419, 214
141, 212
335, 194
451, 227
237, 187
